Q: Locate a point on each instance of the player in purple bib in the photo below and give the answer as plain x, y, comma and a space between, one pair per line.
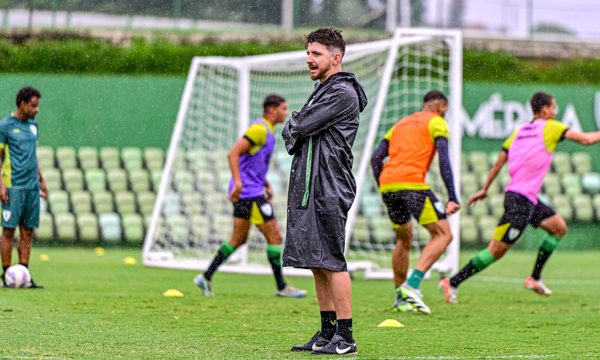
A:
251, 195
529, 152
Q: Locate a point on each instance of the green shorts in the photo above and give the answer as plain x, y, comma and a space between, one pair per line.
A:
22, 209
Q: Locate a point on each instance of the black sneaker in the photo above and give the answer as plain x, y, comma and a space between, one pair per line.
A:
4, 282
33, 285
337, 346
317, 342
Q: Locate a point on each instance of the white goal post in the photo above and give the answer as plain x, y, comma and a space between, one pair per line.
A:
192, 216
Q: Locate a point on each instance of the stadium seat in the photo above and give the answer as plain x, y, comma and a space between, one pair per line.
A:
552, 185
155, 176
479, 210
221, 227
582, 162
562, 162
88, 157
571, 184
469, 183
132, 158
125, 202
139, 180
562, 206
193, 203
117, 180
200, 226
223, 180
73, 179
206, 181
591, 183
360, 231
469, 233
81, 202
53, 178
65, 227
133, 228
110, 227
178, 227
183, 181
59, 202
171, 203
95, 180
45, 156
87, 224
103, 202
45, 232
371, 205
496, 204
487, 225
66, 157
478, 162
584, 210
145, 201
381, 230
154, 158
109, 157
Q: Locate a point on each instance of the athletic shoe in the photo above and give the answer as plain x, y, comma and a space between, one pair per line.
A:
450, 292
290, 291
33, 285
414, 297
337, 346
204, 285
402, 306
538, 286
4, 282
317, 342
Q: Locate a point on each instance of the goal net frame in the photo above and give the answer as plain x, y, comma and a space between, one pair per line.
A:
243, 66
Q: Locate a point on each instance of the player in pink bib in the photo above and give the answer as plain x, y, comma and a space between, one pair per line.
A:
529, 152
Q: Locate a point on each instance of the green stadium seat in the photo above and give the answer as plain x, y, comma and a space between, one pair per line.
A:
66, 156
88, 157
73, 179
178, 227
139, 180
183, 181
103, 202
53, 178
145, 201
381, 230
95, 180
117, 180
221, 227
59, 202
487, 225
65, 227
133, 228
87, 224
478, 162
45, 157
81, 202
125, 201
562, 206
496, 204
584, 210
110, 227
154, 158
155, 176
469, 233
571, 184
552, 185
562, 162
469, 183
206, 181
370, 205
45, 232
109, 157
582, 162
200, 226
590, 183
132, 158
479, 210
171, 203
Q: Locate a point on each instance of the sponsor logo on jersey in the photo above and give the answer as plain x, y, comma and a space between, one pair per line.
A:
6, 214
33, 129
266, 209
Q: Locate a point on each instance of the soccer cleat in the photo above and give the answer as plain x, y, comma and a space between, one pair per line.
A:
33, 285
337, 346
290, 291
4, 282
402, 306
317, 342
450, 292
538, 286
414, 297
204, 285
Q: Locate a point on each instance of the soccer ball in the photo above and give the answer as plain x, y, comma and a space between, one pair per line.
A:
17, 276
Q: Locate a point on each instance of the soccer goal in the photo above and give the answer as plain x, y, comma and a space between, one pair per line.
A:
192, 215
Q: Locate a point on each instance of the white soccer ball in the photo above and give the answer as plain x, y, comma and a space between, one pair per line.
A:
17, 276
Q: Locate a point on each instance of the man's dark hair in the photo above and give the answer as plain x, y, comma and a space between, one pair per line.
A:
27, 93
434, 95
539, 100
329, 37
272, 101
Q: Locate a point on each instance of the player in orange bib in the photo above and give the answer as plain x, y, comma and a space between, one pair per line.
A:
411, 145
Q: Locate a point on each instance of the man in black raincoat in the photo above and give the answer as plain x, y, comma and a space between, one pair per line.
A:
322, 187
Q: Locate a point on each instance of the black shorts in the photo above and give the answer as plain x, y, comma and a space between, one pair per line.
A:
258, 210
421, 204
518, 213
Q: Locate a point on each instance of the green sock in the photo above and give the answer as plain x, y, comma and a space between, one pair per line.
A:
274, 256
224, 252
415, 278
483, 259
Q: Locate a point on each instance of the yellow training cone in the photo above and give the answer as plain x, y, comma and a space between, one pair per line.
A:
390, 323
173, 293
99, 251
129, 261
44, 257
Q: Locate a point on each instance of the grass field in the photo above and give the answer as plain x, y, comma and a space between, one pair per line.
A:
97, 307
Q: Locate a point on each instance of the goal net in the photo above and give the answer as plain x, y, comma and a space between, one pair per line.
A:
192, 216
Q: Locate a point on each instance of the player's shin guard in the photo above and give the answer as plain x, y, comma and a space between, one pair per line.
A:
274, 256
479, 262
224, 252
546, 249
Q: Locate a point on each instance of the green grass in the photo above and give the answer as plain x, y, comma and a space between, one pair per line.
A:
97, 307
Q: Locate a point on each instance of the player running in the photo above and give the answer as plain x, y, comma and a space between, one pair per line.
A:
529, 152
411, 145
251, 195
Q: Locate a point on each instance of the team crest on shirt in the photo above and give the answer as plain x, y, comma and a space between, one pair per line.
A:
6, 214
439, 206
513, 233
33, 129
266, 209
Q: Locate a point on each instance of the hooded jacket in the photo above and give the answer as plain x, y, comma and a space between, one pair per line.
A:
322, 186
